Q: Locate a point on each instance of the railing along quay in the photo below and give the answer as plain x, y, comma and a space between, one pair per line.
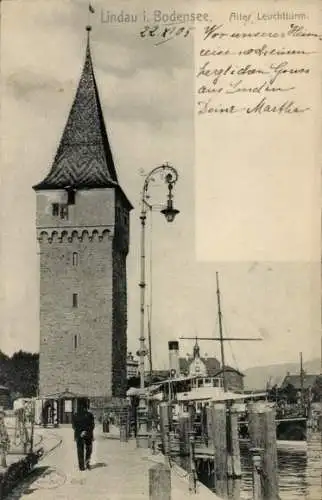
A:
17, 447
210, 452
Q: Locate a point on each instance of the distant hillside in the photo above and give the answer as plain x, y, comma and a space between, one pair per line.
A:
257, 377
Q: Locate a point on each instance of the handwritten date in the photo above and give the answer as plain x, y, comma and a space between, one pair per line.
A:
166, 33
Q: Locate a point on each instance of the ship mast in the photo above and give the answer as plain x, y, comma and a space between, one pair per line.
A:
302, 378
221, 338
221, 335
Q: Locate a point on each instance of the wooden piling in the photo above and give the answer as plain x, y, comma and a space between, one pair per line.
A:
184, 445
164, 427
219, 438
204, 431
209, 427
262, 433
159, 482
123, 419
234, 466
234, 489
192, 463
256, 472
320, 422
123, 434
4, 440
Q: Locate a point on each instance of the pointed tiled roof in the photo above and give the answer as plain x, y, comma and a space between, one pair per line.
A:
84, 158
212, 365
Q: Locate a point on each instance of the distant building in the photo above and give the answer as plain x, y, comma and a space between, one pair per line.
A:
295, 380
210, 367
132, 366
234, 378
197, 365
311, 384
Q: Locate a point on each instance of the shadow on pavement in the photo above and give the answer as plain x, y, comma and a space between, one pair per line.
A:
25, 487
98, 465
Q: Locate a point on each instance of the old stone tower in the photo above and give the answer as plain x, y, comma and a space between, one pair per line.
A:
83, 234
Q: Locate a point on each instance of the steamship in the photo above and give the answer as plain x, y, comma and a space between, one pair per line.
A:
199, 390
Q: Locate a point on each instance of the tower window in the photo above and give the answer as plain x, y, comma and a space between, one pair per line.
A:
75, 259
64, 212
55, 209
75, 300
75, 342
71, 196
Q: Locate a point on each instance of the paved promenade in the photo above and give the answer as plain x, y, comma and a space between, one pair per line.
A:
119, 472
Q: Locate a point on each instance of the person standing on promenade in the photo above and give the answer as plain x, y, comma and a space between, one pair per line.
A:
83, 425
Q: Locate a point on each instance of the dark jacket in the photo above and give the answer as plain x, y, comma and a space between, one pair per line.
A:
83, 421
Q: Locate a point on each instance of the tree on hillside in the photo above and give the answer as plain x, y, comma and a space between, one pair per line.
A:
20, 373
290, 393
25, 366
4, 369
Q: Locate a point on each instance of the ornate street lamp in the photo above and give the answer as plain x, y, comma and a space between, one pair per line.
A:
170, 177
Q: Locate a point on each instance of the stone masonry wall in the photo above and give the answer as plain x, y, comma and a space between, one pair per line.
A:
120, 250
119, 383
83, 365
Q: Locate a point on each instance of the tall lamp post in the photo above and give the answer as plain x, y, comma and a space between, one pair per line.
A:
170, 176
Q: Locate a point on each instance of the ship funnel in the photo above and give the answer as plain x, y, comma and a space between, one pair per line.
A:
174, 358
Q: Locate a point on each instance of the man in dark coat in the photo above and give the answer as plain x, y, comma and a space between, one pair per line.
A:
83, 425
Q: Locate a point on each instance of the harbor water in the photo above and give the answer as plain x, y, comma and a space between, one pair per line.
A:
300, 473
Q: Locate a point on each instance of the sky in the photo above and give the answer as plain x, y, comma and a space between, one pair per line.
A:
147, 95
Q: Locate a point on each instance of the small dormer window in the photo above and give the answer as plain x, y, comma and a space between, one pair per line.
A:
55, 209
71, 196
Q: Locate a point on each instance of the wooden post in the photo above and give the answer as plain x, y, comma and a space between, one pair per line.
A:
192, 415
3, 457
320, 422
159, 482
210, 443
184, 428
123, 416
4, 440
234, 489
234, 467
192, 467
164, 427
256, 472
32, 420
204, 425
219, 438
262, 433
